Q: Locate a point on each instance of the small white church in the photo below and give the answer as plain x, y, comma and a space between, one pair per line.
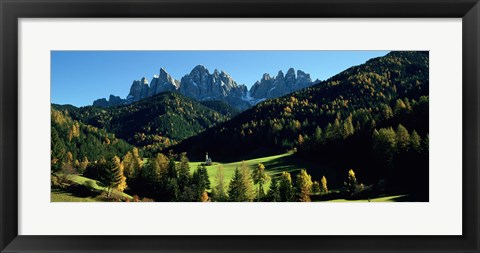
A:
208, 160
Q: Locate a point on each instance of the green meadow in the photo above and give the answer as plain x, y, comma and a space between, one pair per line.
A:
396, 198
82, 189
274, 165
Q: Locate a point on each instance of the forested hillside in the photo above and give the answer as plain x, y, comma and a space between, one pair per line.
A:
221, 107
365, 117
74, 144
156, 122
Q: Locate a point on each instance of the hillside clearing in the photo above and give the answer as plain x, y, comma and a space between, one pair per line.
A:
83, 189
273, 164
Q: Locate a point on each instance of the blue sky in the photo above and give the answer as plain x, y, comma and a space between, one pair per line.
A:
80, 77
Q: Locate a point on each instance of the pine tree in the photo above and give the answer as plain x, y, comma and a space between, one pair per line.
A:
316, 187
172, 169
348, 129
127, 163
273, 194
172, 191
324, 184
300, 140
83, 164
260, 177
285, 187
384, 144
351, 183
218, 192
132, 163
183, 171
304, 186
123, 181
200, 182
386, 111
247, 181
402, 139
153, 172
415, 142
400, 107
237, 192
318, 134
160, 168
111, 174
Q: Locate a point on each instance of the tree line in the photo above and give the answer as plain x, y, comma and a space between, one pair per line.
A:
168, 178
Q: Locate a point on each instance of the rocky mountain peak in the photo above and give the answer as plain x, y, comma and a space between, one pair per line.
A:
290, 76
266, 77
290, 73
138, 90
281, 85
199, 69
280, 75
163, 73
199, 84
163, 82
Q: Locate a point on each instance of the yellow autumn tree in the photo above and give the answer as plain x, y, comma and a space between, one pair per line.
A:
304, 186
132, 163
205, 197
84, 164
122, 185
324, 184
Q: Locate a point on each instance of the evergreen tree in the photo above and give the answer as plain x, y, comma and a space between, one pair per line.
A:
400, 107
83, 164
316, 187
200, 182
318, 134
218, 192
170, 182
415, 142
402, 139
260, 177
247, 181
273, 194
386, 112
324, 184
348, 129
351, 183
111, 174
127, 163
285, 187
132, 163
304, 186
160, 167
172, 169
384, 144
237, 191
172, 191
183, 171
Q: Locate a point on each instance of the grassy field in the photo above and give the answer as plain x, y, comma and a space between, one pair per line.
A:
397, 198
273, 165
64, 195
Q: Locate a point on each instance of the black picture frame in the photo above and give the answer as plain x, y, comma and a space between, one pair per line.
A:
12, 10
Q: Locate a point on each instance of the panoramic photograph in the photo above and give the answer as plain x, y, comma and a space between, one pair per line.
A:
239, 126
